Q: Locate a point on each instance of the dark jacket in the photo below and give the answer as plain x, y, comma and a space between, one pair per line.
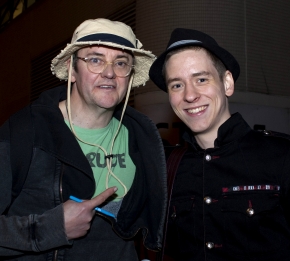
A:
34, 224
231, 202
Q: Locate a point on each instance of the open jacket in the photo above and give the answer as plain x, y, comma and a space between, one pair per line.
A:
33, 226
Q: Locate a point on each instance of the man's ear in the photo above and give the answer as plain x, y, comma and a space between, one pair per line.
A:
229, 83
73, 79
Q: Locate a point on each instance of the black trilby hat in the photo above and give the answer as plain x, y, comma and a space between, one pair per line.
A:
181, 37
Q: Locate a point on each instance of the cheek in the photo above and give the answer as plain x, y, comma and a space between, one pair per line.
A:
123, 85
174, 101
126, 82
85, 78
221, 97
216, 94
171, 101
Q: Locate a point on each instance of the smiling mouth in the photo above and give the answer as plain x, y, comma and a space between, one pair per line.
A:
196, 110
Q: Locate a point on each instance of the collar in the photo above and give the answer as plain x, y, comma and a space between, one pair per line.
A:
51, 133
231, 130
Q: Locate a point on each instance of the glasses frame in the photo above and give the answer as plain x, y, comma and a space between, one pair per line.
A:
86, 60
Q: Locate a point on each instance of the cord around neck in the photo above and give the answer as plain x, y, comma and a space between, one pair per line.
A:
108, 156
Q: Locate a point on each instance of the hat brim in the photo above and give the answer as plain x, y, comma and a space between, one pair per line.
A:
156, 75
143, 60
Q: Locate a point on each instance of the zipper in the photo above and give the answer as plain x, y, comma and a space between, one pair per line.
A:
55, 254
60, 184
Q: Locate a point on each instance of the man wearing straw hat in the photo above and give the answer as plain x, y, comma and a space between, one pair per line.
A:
96, 174
231, 192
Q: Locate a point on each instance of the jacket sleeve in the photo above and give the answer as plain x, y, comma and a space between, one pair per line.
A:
32, 233
285, 182
25, 233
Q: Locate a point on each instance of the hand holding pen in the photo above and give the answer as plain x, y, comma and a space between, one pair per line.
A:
105, 212
78, 216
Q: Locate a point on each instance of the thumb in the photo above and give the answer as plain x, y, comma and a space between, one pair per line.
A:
99, 199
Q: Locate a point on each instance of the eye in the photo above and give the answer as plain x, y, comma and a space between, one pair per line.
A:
120, 64
202, 80
175, 86
95, 61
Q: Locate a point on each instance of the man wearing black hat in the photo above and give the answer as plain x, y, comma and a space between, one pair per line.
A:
230, 195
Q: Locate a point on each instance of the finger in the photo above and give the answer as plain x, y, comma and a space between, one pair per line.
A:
94, 202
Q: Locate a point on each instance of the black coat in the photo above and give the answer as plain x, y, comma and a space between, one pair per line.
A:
58, 169
231, 202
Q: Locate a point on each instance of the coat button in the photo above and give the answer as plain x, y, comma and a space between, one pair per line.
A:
207, 157
173, 216
209, 245
250, 212
207, 200
267, 132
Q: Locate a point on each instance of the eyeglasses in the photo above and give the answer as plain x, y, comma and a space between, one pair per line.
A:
97, 65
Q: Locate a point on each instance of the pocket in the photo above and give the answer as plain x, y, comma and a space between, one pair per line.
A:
181, 229
253, 222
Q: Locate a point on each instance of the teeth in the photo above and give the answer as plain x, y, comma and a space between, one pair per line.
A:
196, 110
106, 86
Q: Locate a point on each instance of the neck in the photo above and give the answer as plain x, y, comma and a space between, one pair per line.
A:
88, 117
206, 139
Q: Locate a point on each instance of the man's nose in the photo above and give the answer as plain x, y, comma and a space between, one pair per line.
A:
191, 94
108, 71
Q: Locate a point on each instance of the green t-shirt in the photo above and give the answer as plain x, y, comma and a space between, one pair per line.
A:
122, 164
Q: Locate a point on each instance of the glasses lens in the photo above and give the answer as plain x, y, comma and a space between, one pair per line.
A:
121, 68
96, 65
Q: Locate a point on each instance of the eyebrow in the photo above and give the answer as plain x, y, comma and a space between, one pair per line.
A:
170, 80
122, 56
202, 73
95, 53
117, 57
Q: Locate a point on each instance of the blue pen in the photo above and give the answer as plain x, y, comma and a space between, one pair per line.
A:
96, 208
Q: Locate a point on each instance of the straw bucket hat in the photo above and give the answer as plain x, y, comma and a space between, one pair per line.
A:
108, 33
